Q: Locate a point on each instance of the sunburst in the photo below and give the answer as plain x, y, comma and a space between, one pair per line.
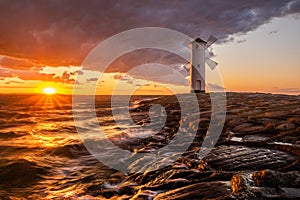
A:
49, 90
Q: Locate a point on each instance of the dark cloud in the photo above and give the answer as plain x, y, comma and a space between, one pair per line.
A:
273, 32
10, 82
66, 76
26, 74
61, 32
215, 88
139, 57
80, 72
157, 72
117, 76
8, 62
285, 90
61, 74
92, 79
6, 86
241, 41
129, 81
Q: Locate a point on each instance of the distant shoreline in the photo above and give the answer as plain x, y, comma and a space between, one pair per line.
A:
31, 94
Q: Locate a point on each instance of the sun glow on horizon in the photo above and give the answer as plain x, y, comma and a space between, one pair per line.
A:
49, 90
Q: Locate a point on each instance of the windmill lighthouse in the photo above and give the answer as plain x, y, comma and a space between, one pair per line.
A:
197, 63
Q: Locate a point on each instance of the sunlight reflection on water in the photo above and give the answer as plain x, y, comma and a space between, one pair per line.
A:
43, 156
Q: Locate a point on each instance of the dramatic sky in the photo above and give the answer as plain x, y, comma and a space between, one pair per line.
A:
43, 43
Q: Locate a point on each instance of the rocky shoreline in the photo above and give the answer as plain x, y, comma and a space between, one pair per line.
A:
256, 157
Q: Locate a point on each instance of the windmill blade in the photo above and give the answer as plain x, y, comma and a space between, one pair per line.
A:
187, 66
210, 41
186, 43
212, 64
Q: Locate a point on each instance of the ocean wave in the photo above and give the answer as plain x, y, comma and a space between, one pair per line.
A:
21, 173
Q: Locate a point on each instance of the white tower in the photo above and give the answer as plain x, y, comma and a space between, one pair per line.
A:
197, 68
198, 60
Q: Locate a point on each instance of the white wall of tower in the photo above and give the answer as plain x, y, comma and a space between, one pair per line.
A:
197, 70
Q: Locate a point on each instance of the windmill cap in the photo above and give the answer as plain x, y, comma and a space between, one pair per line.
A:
199, 40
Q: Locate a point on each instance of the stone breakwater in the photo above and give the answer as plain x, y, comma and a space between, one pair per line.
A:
256, 156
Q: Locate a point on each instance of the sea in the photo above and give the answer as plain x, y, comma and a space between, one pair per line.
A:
42, 154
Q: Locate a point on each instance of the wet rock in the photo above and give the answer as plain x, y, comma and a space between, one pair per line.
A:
116, 178
160, 178
235, 122
258, 121
286, 126
192, 163
239, 182
147, 177
271, 178
210, 176
266, 184
296, 111
144, 195
168, 184
277, 114
237, 157
254, 138
180, 166
128, 188
248, 128
206, 190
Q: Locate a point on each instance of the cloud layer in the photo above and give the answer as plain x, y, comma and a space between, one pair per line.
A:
34, 34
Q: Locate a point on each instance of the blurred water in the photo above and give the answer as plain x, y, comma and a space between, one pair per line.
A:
41, 153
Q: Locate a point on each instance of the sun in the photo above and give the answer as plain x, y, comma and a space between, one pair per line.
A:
49, 90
